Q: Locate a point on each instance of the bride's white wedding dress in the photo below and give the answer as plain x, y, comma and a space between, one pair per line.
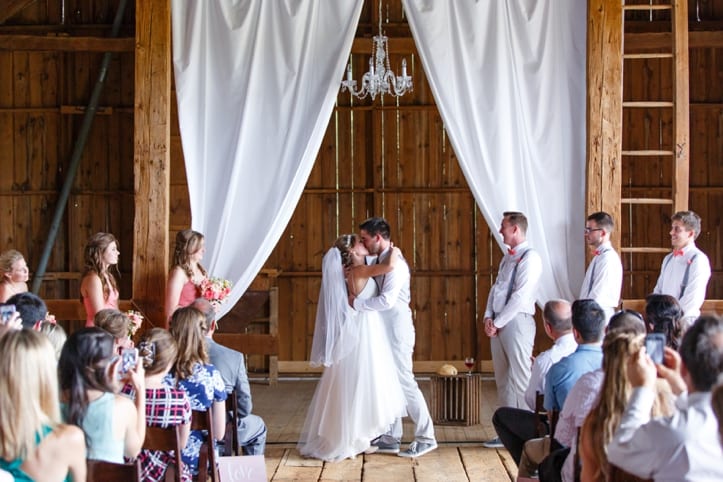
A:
358, 397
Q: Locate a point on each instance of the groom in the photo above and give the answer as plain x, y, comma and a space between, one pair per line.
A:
393, 303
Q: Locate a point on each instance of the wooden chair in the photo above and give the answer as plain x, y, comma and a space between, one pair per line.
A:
102, 471
541, 414
166, 439
207, 455
230, 438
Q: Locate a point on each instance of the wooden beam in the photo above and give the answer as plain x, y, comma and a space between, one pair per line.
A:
681, 116
66, 43
604, 109
663, 40
12, 7
303, 367
151, 160
249, 343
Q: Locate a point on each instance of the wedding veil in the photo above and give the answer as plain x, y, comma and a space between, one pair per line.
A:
334, 332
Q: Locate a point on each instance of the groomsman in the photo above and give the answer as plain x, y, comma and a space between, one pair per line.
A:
604, 276
509, 314
685, 272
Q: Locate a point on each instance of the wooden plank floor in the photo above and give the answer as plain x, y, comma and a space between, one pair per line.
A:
460, 456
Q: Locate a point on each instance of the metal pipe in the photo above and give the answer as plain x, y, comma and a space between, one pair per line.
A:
77, 152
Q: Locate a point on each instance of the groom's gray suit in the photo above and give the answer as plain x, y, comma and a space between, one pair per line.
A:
393, 305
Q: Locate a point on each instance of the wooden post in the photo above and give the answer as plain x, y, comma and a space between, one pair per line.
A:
682, 108
604, 109
151, 158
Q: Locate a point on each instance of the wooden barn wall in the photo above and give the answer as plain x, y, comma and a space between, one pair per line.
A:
652, 79
42, 93
376, 158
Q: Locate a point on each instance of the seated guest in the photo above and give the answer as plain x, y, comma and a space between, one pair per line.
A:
201, 380
89, 377
56, 335
604, 417
513, 425
588, 325
686, 445
35, 445
579, 402
165, 406
14, 274
31, 307
251, 428
117, 324
717, 403
664, 315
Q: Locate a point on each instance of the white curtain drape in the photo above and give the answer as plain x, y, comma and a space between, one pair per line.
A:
256, 82
509, 80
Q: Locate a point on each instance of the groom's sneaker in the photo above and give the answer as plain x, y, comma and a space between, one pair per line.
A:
384, 446
417, 449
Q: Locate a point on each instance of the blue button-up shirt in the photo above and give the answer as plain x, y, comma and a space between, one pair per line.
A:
563, 374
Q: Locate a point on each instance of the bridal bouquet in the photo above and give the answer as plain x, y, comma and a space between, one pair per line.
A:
215, 290
136, 322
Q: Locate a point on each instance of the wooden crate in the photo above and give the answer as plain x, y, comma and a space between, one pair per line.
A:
456, 399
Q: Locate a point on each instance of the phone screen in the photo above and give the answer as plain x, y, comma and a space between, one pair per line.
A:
129, 358
654, 345
6, 312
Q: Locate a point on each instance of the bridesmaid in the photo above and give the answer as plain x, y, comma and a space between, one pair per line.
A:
14, 274
187, 272
99, 288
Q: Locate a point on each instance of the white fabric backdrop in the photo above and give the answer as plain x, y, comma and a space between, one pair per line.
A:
509, 80
256, 82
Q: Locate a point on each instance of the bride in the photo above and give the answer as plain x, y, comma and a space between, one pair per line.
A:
359, 395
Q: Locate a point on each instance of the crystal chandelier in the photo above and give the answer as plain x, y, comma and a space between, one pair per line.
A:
379, 79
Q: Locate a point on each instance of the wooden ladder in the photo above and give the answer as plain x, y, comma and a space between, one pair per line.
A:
677, 152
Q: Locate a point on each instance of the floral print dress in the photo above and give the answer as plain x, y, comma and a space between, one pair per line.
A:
203, 387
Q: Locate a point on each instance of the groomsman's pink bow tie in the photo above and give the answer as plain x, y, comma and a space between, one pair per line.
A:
597, 252
511, 251
677, 252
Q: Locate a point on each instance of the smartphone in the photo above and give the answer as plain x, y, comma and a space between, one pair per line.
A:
654, 345
129, 358
6, 312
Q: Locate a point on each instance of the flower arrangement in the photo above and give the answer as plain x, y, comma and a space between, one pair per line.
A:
215, 290
50, 318
136, 322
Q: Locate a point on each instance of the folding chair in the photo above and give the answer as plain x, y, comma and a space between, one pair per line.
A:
102, 471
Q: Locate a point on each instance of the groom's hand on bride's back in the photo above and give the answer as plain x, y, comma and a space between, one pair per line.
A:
351, 300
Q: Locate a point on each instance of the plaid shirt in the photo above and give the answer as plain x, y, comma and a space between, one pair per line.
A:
165, 407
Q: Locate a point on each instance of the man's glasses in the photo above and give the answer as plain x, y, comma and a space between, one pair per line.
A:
590, 230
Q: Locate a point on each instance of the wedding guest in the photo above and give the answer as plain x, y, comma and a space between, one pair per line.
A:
194, 374
187, 272
56, 334
35, 445
165, 406
605, 415
30, 307
251, 429
89, 381
686, 445
117, 324
664, 314
99, 288
14, 271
